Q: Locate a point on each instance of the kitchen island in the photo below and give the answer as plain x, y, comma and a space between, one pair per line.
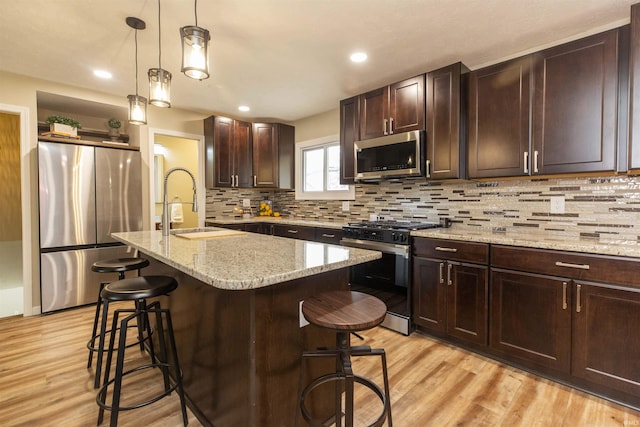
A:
236, 316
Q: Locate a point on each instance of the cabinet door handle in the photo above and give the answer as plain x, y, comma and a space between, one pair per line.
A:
328, 235
526, 162
255, 180
232, 180
570, 265
564, 295
578, 305
449, 279
384, 127
237, 181
292, 231
428, 166
441, 272
390, 125
535, 161
445, 249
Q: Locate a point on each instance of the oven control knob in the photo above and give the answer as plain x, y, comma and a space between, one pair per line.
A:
403, 238
395, 237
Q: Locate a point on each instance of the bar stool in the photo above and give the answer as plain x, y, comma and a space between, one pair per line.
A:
140, 289
345, 312
120, 266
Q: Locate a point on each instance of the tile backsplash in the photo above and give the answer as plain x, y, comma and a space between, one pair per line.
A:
594, 207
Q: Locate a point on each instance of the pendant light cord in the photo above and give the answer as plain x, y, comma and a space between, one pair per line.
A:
159, 39
136, 38
195, 10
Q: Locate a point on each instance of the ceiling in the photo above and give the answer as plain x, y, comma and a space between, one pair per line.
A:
286, 59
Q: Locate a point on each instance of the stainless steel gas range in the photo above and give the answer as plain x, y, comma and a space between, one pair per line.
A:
388, 278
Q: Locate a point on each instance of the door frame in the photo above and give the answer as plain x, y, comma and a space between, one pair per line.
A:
202, 197
25, 195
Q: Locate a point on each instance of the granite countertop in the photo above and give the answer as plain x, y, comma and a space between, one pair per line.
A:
245, 260
541, 240
275, 220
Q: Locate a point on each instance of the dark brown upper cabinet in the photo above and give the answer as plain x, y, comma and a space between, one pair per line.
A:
446, 122
634, 113
349, 133
273, 155
575, 106
393, 109
228, 153
499, 106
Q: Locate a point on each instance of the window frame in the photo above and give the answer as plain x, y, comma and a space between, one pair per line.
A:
348, 194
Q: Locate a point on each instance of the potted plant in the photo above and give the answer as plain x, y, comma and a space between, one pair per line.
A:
64, 126
114, 128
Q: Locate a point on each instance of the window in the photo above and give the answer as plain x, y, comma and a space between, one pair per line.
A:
318, 171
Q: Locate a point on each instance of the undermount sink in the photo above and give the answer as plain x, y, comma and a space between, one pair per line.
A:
206, 233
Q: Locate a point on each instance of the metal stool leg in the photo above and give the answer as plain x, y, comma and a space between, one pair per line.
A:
178, 372
91, 342
103, 330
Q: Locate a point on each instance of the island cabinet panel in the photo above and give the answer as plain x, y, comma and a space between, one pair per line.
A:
240, 351
273, 155
349, 133
393, 109
498, 128
575, 106
446, 122
451, 297
606, 348
529, 319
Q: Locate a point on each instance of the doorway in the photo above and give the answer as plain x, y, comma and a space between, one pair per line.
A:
11, 279
172, 150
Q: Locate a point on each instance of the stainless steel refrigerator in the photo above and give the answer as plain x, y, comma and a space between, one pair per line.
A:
85, 194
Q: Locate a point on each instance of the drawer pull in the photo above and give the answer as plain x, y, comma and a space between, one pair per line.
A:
570, 265
328, 235
578, 305
564, 295
292, 231
443, 249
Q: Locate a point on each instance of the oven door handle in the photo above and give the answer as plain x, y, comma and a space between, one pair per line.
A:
389, 248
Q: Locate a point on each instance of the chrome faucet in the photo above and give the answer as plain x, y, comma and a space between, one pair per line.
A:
165, 199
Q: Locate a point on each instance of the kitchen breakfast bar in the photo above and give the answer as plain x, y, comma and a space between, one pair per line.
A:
236, 316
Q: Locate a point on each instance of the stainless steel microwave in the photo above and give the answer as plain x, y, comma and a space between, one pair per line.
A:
392, 156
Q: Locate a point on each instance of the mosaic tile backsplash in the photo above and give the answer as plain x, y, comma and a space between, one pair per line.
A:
594, 207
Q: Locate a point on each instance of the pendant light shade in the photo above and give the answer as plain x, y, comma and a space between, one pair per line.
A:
159, 79
159, 87
195, 50
137, 110
137, 104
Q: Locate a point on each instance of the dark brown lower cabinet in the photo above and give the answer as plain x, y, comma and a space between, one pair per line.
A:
605, 344
451, 298
531, 319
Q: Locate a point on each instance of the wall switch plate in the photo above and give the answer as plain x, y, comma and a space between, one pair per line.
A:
246, 203
556, 204
303, 321
345, 206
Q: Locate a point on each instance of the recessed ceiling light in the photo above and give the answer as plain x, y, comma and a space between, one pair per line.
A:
102, 74
358, 57
244, 108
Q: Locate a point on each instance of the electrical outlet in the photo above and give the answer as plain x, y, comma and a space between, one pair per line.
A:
345, 206
246, 203
303, 321
556, 204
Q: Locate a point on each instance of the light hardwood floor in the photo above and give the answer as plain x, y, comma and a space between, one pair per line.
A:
44, 382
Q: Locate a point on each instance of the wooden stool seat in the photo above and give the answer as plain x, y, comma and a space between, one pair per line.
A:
344, 311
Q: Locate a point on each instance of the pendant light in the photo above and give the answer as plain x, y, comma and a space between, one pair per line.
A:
137, 104
159, 79
195, 50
